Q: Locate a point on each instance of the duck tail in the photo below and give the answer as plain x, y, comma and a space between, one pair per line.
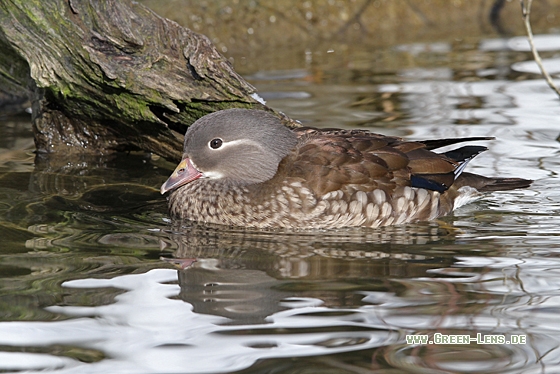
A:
483, 184
486, 184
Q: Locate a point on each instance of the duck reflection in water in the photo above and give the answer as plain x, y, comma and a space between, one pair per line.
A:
246, 276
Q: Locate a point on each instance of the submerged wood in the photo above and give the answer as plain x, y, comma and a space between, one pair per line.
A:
107, 75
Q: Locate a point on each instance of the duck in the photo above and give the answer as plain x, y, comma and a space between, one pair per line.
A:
245, 168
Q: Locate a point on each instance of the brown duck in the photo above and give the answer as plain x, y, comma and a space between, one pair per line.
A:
245, 168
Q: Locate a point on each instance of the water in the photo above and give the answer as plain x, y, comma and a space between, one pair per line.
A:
94, 278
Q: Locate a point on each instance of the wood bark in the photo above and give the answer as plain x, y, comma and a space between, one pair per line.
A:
109, 75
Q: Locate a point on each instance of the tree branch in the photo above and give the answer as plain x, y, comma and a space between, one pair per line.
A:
109, 75
526, 13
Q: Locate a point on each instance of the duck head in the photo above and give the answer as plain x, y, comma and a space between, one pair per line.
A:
237, 146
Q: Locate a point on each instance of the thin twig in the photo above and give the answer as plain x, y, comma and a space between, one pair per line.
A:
355, 18
526, 12
412, 5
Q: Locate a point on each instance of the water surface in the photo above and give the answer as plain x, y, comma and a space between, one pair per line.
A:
95, 279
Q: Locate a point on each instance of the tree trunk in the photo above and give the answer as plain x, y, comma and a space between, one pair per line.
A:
107, 75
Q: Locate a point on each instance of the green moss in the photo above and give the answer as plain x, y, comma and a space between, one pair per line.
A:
79, 88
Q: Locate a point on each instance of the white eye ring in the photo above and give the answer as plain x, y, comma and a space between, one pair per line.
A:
215, 143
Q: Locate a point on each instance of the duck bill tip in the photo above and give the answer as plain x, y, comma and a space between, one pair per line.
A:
183, 174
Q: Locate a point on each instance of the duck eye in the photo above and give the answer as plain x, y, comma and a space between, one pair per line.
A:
216, 143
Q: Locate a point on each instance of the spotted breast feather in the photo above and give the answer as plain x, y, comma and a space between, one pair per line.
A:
244, 168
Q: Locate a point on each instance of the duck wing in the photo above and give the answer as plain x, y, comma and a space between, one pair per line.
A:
333, 159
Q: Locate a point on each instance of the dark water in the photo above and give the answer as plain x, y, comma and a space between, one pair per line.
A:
95, 279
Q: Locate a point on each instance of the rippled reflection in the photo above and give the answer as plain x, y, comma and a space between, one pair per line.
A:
95, 278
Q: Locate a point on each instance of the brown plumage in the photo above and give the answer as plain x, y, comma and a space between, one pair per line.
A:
244, 168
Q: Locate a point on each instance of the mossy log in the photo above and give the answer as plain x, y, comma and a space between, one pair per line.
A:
109, 75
